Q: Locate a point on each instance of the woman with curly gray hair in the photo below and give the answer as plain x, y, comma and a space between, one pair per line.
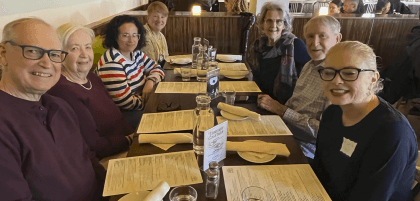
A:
277, 57
365, 149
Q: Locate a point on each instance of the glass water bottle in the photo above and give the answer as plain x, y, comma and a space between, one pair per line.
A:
195, 51
202, 64
203, 120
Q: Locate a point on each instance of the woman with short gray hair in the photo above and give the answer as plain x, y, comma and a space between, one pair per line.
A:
277, 57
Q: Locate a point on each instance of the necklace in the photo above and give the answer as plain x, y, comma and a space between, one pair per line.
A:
90, 83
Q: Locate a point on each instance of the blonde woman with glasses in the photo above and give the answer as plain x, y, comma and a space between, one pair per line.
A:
365, 149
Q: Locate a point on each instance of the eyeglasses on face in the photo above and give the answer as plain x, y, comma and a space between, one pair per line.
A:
36, 53
127, 36
346, 74
271, 21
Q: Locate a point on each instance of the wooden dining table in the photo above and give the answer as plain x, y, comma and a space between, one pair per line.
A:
187, 101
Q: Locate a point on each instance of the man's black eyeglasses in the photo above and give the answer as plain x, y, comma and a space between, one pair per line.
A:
35, 53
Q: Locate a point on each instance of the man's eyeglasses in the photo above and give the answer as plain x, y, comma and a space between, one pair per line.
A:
165, 107
271, 21
36, 53
346, 74
127, 36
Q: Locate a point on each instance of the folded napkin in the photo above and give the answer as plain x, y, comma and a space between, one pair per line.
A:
170, 138
259, 147
228, 57
239, 111
158, 192
181, 61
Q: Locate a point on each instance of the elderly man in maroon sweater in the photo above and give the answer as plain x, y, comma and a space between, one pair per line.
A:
43, 155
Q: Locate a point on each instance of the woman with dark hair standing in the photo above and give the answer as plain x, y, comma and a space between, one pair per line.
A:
128, 74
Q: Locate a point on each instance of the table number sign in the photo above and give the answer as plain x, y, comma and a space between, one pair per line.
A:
215, 144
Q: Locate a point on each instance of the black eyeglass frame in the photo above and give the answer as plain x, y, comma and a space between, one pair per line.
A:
41, 55
339, 72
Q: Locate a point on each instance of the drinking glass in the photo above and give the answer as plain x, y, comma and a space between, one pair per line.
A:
229, 97
183, 193
212, 54
255, 193
186, 73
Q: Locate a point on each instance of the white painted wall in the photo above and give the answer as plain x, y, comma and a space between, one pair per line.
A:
57, 12
256, 5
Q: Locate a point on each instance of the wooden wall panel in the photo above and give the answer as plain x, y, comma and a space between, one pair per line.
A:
389, 37
386, 35
356, 29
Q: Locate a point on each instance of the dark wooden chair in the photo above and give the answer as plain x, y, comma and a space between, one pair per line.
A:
247, 21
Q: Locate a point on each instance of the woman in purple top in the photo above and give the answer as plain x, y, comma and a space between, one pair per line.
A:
103, 126
43, 155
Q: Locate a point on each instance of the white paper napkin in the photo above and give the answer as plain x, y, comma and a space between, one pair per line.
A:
158, 192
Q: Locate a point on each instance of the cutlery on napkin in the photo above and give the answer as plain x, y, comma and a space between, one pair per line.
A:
158, 192
260, 148
165, 141
239, 111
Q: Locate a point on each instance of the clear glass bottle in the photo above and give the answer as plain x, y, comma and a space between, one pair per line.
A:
212, 182
202, 64
195, 51
203, 120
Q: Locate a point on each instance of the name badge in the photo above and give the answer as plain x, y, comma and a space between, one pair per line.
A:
348, 147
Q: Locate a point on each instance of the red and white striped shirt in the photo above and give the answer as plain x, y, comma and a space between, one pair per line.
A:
123, 77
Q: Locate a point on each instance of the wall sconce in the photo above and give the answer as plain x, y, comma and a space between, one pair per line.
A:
196, 10
323, 11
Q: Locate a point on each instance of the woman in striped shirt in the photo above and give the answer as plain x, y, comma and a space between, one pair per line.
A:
128, 74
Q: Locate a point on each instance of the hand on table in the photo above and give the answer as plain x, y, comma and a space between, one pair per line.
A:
148, 88
266, 102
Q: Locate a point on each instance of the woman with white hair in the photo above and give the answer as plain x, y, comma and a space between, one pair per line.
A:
103, 126
366, 149
277, 57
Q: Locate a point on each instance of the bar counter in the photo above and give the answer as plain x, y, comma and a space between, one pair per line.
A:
384, 33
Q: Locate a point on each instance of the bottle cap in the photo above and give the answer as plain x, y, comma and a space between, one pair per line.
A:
214, 165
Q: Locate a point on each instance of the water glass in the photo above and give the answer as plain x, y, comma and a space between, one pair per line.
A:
229, 97
212, 54
183, 193
186, 73
255, 193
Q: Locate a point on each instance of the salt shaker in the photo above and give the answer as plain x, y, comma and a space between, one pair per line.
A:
212, 182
